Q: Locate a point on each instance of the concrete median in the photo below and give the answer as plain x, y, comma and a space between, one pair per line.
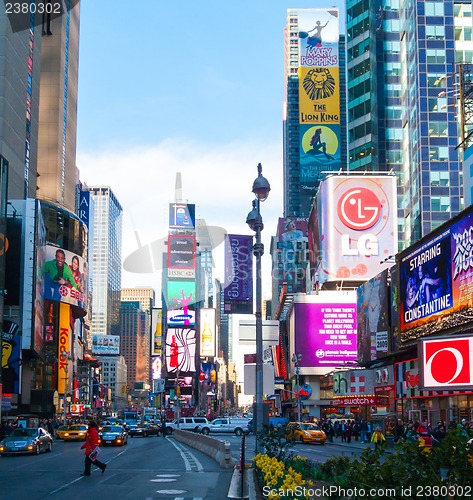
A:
216, 448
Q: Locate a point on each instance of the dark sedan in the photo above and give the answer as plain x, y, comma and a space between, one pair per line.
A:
145, 430
113, 435
26, 440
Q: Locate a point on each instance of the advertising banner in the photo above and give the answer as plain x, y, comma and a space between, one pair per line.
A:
181, 254
436, 280
156, 332
12, 253
325, 332
181, 295
180, 350
84, 208
372, 318
358, 226
292, 251
181, 216
319, 96
238, 280
320, 152
177, 317
319, 34
11, 357
105, 344
208, 337
208, 378
447, 363
64, 347
65, 277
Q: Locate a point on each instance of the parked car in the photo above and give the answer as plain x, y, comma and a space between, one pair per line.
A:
145, 430
113, 435
238, 426
26, 440
61, 430
76, 432
305, 432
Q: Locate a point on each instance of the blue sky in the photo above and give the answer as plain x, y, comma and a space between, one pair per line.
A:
190, 87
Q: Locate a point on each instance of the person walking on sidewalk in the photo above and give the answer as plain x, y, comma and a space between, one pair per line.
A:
364, 431
378, 439
92, 443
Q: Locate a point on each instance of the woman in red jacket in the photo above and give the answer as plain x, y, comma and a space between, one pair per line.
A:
91, 443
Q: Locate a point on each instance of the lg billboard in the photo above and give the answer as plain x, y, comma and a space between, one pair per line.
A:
357, 226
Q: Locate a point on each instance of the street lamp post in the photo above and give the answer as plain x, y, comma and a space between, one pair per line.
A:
261, 189
297, 370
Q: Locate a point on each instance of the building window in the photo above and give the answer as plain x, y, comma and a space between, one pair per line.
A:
438, 129
439, 178
438, 153
437, 104
435, 32
434, 9
436, 56
440, 203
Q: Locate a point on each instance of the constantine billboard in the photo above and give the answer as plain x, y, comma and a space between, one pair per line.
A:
436, 280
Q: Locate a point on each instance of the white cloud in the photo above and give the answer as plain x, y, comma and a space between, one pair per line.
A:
217, 179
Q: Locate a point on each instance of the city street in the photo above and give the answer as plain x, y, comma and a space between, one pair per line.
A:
145, 468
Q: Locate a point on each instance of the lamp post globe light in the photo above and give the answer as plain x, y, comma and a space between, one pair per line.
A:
261, 189
297, 371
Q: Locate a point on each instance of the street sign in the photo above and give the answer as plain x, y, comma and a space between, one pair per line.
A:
158, 385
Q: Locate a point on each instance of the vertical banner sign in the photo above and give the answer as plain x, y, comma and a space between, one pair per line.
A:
319, 93
207, 333
156, 332
238, 282
64, 346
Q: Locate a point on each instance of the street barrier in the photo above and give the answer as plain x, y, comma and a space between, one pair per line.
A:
217, 449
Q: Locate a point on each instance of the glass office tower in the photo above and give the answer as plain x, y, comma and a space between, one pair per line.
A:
403, 61
105, 257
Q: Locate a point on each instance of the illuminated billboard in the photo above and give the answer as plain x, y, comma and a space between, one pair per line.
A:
179, 317
105, 344
447, 363
156, 332
358, 226
372, 315
181, 216
238, 280
319, 96
180, 350
181, 294
181, 256
324, 330
292, 253
11, 357
208, 337
65, 277
436, 280
319, 34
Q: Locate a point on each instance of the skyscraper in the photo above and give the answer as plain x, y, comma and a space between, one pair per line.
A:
144, 295
402, 59
105, 257
58, 174
135, 342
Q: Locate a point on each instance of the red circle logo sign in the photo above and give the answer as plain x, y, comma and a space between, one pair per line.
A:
359, 209
447, 363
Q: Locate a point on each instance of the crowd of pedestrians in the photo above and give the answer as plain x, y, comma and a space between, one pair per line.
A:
348, 430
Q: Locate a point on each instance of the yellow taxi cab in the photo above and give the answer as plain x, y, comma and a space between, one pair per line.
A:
76, 432
305, 432
61, 430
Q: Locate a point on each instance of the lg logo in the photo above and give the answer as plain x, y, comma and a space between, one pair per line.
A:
359, 209
447, 363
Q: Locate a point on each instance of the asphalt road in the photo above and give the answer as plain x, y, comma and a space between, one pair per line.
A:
145, 468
